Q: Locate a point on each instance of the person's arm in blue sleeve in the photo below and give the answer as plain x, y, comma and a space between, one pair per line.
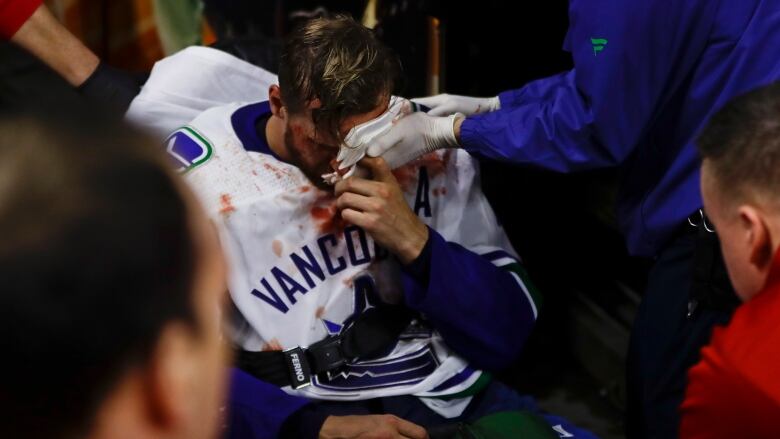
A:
483, 311
629, 58
533, 91
259, 410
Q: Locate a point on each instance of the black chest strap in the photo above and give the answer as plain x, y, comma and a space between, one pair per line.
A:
373, 332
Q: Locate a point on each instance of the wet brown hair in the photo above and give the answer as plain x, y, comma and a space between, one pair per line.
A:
341, 63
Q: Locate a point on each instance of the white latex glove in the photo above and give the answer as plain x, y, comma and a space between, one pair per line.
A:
413, 136
361, 136
444, 104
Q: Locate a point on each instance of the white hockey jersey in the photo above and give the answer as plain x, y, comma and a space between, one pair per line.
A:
299, 272
191, 81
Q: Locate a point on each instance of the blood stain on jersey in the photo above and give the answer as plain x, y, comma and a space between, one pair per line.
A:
226, 204
440, 191
272, 345
436, 164
304, 189
408, 174
326, 216
276, 171
320, 312
277, 247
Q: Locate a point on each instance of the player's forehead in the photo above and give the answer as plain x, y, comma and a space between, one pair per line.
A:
354, 120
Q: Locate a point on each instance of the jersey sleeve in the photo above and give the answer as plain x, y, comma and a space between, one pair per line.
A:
258, 410
469, 281
185, 84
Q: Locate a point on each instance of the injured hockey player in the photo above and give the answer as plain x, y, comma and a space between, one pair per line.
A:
360, 291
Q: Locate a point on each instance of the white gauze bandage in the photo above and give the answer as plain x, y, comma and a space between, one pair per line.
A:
359, 138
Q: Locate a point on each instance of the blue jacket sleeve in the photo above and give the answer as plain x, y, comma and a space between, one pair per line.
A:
483, 311
630, 58
258, 410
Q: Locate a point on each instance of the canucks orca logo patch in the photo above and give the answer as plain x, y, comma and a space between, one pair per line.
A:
187, 149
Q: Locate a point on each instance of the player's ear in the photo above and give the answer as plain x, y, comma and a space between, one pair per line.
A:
275, 100
757, 237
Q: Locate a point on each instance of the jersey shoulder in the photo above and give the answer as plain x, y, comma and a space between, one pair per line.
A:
195, 143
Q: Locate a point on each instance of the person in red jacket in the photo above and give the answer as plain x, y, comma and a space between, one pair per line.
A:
734, 391
14, 13
30, 25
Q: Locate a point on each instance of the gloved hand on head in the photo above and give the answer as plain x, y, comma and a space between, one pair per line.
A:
400, 135
446, 104
414, 136
419, 134
360, 137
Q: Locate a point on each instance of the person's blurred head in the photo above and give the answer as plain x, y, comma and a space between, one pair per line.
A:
110, 282
334, 74
740, 183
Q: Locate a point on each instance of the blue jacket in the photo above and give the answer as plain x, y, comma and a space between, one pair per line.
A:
648, 74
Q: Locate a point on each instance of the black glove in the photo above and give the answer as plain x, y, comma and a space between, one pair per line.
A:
111, 87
